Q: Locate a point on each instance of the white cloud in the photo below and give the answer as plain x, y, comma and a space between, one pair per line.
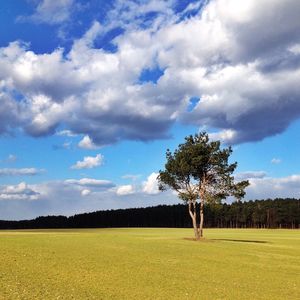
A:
15, 189
9, 117
256, 56
85, 192
225, 136
295, 49
125, 190
90, 182
275, 161
266, 188
20, 191
59, 197
87, 143
194, 6
130, 14
20, 172
132, 177
50, 12
250, 175
89, 162
236, 49
68, 133
150, 186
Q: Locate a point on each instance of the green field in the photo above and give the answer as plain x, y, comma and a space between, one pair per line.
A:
149, 264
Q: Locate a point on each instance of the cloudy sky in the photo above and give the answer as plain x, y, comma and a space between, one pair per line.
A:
92, 93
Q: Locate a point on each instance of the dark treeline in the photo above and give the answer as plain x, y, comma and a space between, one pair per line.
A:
278, 213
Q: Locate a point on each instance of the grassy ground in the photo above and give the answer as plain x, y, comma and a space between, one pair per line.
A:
149, 264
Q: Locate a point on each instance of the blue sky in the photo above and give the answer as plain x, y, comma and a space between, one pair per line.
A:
92, 93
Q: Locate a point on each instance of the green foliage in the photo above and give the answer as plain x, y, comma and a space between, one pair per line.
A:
200, 168
149, 264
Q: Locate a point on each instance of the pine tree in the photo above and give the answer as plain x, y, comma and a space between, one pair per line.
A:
199, 170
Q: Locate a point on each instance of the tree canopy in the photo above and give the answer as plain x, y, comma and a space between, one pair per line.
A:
199, 169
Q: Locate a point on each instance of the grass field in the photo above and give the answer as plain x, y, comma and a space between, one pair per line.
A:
149, 264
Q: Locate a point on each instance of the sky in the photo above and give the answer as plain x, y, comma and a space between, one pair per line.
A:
92, 93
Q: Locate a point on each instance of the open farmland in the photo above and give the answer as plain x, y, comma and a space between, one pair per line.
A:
149, 264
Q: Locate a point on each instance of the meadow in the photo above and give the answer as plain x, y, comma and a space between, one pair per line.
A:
149, 263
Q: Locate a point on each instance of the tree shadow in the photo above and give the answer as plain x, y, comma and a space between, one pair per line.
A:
200, 240
242, 241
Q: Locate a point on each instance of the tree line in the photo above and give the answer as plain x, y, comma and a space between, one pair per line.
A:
277, 213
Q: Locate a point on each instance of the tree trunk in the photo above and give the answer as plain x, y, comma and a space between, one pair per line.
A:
193, 215
201, 217
202, 190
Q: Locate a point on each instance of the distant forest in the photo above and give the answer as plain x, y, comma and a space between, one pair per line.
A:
278, 213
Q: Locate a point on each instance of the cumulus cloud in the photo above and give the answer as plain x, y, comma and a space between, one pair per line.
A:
295, 49
253, 54
59, 197
9, 109
87, 143
268, 187
50, 12
131, 14
150, 186
20, 191
20, 172
244, 72
125, 190
89, 162
85, 192
225, 136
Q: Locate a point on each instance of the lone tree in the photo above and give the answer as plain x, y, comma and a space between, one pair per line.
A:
199, 170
